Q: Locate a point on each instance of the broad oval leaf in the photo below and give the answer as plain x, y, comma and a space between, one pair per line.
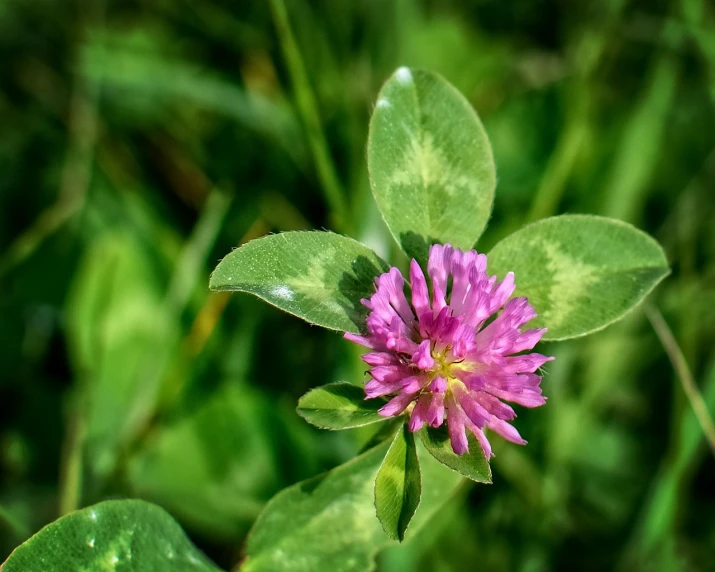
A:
580, 272
398, 485
430, 162
318, 276
473, 464
129, 535
329, 523
339, 405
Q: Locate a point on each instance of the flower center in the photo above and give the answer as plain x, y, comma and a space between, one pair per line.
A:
442, 365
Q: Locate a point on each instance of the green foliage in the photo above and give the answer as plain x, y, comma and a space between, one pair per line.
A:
120, 333
128, 535
398, 485
214, 467
580, 272
473, 464
329, 521
430, 161
318, 276
123, 377
339, 406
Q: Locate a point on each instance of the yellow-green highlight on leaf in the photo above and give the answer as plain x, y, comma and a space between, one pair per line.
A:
580, 272
318, 276
123, 535
473, 464
398, 485
339, 405
430, 162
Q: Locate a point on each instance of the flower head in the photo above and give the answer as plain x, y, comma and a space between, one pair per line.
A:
437, 357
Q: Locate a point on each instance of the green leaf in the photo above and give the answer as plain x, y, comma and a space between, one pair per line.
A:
398, 485
128, 535
329, 522
430, 163
215, 468
473, 464
580, 272
339, 405
120, 335
318, 276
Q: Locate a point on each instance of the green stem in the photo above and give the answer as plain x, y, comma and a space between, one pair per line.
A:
71, 467
553, 183
589, 52
308, 109
190, 265
682, 371
157, 393
75, 178
641, 144
75, 182
18, 529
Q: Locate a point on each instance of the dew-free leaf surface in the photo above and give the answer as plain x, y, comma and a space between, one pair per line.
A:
580, 272
122, 535
398, 485
430, 163
473, 464
339, 405
318, 276
329, 522
214, 468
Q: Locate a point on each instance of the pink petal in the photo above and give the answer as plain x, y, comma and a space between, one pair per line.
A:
501, 293
507, 431
528, 363
423, 356
420, 414
483, 442
367, 341
380, 358
435, 414
420, 295
397, 405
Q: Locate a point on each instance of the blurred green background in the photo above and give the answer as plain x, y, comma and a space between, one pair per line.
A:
141, 141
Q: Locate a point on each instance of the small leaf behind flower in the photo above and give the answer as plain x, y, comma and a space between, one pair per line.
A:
339, 405
398, 485
430, 162
580, 272
472, 464
318, 276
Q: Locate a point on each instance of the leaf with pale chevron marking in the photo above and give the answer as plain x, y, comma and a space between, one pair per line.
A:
580, 272
398, 485
430, 163
129, 535
318, 276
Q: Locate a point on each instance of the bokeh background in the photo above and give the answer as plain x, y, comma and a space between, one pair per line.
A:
141, 141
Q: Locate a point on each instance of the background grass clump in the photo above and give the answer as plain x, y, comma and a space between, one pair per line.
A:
142, 141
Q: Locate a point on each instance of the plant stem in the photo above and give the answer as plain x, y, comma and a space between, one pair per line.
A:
308, 109
70, 487
190, 265
76, 173
18, 529
560, 166
682, 371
